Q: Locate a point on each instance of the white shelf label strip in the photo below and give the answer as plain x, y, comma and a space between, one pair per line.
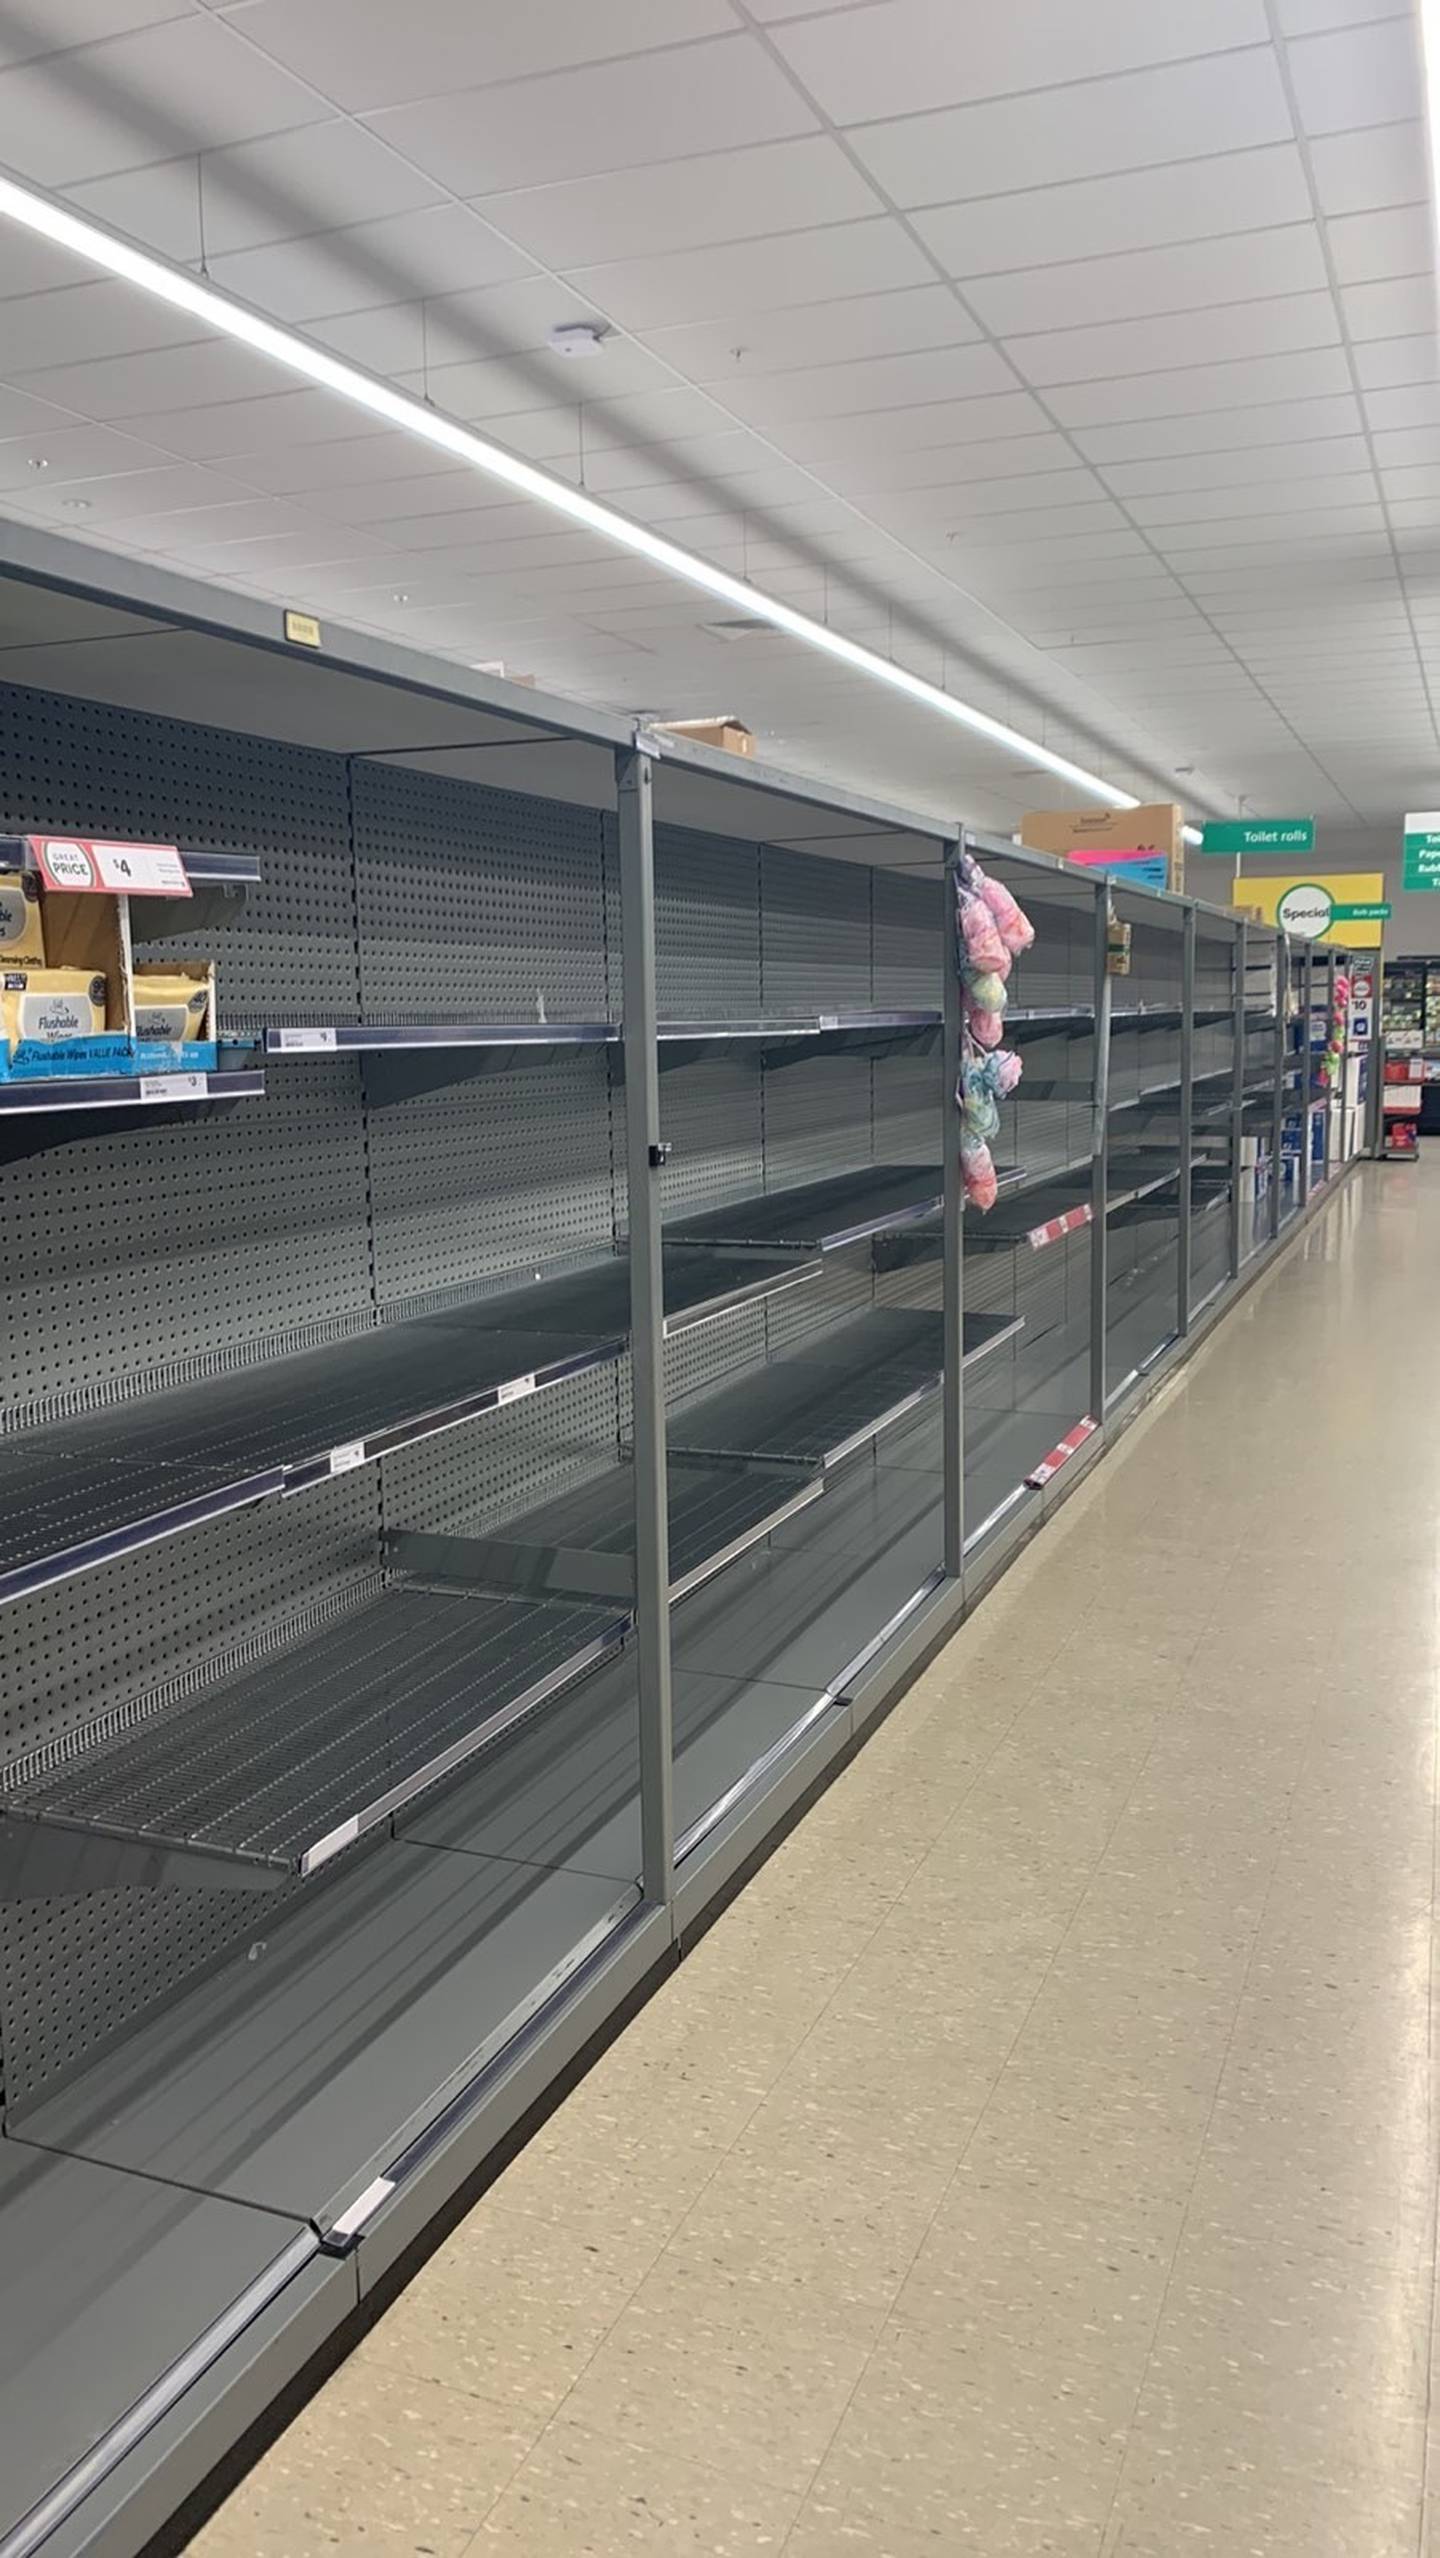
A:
515, 1391
174, 1087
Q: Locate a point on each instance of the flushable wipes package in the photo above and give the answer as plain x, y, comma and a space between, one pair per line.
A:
46, 1005
173, 1003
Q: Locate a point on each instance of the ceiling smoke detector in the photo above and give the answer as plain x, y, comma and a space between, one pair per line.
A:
576, 339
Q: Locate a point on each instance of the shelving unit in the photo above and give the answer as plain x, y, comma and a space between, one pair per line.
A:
590, 1256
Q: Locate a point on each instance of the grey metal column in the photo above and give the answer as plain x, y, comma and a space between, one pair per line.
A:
1237, 1101
1100, 1169
1277, 1133
953, 1379
644, 1156
1187, 1102
1302, 1169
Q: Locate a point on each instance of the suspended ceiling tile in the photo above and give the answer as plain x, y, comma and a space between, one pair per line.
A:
1359, 75
903, 55
1100, 217
453, 328
178, 377
71, 453
1313, 17
284, 188
1307, 373
444, 246
742, 277
77, 22
1400, 307
1129, 122
371, 57
697, 98
1395, 447
840, 390
1268, 497
869, 324
183, 86
84, 321
1283, 423
500, 386
776, 186
1145, 283
1011, 457
1300, 323
1366, 171
283, 422
1266, 466
1390, 363
827, 442
1368, 247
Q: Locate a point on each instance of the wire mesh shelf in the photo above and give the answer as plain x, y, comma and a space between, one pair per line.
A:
284, 1764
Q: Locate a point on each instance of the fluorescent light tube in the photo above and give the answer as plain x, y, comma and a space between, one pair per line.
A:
221, 311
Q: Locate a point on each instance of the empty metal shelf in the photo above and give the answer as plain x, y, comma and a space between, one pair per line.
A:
784, 1039
1057, 1204
349, 1038
283, 1764
821, 1216
27, 1096
816, 1406
582, 1544
78, 1493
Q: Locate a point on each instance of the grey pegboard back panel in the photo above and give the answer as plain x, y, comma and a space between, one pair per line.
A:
130, 1256
481, 1477
503, 1174
476, 904
909, 942
712, 1114
82, 768
817, 1120
815, 933
707, 927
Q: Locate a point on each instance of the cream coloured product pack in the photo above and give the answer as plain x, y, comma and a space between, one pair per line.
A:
177, 1002
46, 1005
22, 929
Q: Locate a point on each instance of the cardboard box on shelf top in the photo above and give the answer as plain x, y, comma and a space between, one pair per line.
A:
1087, 835
723, 730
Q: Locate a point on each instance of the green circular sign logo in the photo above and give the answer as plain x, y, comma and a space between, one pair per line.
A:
1306, 908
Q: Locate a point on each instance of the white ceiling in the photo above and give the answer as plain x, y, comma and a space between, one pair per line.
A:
1082, 355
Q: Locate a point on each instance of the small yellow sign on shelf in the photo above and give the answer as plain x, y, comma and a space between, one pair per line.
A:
302, 629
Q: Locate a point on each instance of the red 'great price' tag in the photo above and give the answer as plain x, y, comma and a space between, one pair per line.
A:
86, 865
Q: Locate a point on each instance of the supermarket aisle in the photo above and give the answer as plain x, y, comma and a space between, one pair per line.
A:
1038, 2157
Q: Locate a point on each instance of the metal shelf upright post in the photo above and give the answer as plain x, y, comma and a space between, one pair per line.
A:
1100, 1167
953, 1241
1237, 1101
1187, 1117
645, 1154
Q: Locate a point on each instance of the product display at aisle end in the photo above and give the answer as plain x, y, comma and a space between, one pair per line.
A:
687, 1229
1411, 1048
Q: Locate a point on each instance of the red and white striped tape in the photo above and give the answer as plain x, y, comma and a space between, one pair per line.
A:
1063, 1450
1055, 1227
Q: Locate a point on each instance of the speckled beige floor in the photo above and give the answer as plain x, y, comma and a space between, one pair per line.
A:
1039, 2156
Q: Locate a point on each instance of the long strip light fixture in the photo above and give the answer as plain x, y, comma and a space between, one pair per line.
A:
221, 311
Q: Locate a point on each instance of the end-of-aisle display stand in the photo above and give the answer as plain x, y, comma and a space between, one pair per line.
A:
456, 1508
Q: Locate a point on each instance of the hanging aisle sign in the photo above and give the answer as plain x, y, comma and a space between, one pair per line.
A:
1234, 836
1422, 849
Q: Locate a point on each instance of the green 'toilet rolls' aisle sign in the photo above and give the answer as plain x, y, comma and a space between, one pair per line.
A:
1422, 849
1235, 835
